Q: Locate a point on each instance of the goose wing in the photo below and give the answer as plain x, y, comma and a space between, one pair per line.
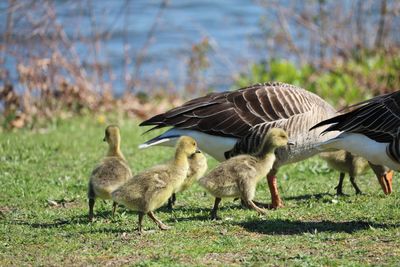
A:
234, 113
377, 118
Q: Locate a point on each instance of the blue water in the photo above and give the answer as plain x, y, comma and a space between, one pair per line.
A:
230, 26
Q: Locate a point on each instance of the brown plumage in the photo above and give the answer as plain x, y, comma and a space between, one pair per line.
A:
230, 123
239, 175
243, 117
197, 168
377, 119
150, 189
112, 171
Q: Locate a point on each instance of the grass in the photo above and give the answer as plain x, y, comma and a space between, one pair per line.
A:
315, 227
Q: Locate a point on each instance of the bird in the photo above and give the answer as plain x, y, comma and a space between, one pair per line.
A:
197, 168
151, 188
238, 176
230, 123
110, 173
345, 162
370, 129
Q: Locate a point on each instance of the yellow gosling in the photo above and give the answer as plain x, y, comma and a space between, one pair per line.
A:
239, 175
150, 189
197, 168
112, 172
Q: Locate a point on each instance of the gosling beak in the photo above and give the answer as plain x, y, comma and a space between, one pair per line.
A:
198, 151
386, 182
290, 143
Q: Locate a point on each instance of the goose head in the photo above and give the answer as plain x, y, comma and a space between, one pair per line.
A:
112, 135
198, 155
187, 146
276, 137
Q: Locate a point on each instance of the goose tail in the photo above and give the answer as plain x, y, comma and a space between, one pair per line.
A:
161, 139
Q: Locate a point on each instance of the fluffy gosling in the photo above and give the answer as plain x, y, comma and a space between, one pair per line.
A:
112, 172
239, 175
150, 189
197, 168
345, 162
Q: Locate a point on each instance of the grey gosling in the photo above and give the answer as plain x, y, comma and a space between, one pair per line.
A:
112, 172
150, 189
239, 175
197, 168
345, 162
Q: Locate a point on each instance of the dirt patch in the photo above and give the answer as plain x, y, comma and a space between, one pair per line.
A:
62, 203
223, 258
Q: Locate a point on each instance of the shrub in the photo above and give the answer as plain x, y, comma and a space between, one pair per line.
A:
340, 82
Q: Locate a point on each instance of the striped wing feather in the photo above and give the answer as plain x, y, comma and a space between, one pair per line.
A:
235, 113
377, 118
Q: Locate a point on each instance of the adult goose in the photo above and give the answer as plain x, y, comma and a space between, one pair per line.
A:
230, 123
371, 129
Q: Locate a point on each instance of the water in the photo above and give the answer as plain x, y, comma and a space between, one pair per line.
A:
229, 25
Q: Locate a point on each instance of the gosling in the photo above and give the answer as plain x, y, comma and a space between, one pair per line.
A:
149, 190
239, 175
112, 172
345, 162
197, 168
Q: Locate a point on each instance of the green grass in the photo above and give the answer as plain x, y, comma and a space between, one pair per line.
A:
315, 228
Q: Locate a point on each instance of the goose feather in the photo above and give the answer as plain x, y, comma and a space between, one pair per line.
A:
242, 117
370, 129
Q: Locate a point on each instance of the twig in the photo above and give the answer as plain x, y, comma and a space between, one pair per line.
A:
379, 34
143, 50
6, 37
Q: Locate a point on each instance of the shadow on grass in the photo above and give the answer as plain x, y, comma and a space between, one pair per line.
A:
198, 213
309, 196
54, 224
80, 219
287, 227
181, 207
189, 218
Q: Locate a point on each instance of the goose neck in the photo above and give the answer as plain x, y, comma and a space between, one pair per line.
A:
114, 150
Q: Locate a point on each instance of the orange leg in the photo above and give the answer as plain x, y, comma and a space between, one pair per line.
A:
386, 182
384, 176
273, 188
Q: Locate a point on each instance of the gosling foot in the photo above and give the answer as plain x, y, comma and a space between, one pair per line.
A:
255, 207
339, 192
163, 226
262, 212
359, 192
170, 206
215, 217
270, 206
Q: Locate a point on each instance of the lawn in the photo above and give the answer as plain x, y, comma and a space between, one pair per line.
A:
43, 211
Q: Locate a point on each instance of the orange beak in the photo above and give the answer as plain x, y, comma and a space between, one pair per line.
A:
386, 182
